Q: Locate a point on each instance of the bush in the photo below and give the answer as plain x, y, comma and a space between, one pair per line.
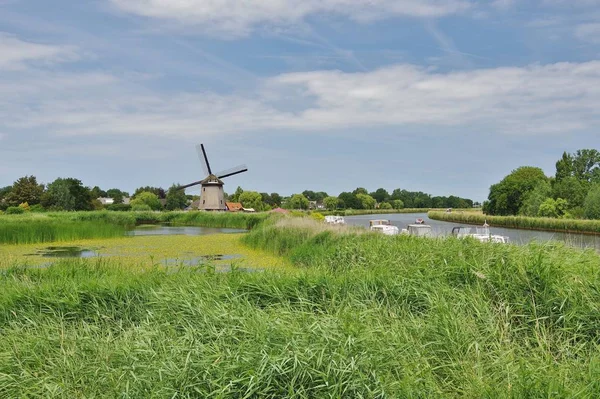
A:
14, 210
592, 203
37, 208
118, 207
140, 208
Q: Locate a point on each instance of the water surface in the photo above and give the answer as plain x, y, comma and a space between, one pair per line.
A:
517, 236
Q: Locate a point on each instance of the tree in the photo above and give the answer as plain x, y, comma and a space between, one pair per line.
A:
397, 204
380, 195
310, 195
349, 201
571, 189
276, 199
236, 196
67, 194
98, 193
360, 190
366, 201
331, 203
25, 189
298, 201
385, 205
553, 208
117, 195
506, 197
176, 198
251, 199
592, 203
159, 192
147, 198
533, 200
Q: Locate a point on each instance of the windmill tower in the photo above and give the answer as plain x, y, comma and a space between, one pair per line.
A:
212, 197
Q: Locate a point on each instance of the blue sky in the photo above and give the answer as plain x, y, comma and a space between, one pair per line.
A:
445, 97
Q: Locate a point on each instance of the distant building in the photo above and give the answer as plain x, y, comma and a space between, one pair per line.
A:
234, 206
106, 201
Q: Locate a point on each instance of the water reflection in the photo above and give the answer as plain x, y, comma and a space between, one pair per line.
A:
160, 230
516, 236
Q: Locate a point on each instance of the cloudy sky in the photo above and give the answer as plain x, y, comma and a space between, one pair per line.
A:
442, 96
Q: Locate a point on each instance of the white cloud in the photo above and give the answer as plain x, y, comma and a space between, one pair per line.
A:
14, 53
538, 99
589, 32
240, 16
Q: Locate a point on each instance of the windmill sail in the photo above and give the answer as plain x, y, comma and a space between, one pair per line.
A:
232, 171
203, 159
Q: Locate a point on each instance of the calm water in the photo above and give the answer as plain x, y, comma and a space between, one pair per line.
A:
445, 228
159, 230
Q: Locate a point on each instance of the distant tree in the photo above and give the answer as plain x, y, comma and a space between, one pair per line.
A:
266, 199
147, 198
117, 195
360, 190
98, 193
25, 189
298, 201
366, 201
235, 197
158, 191
553, 208
397, 204
380, 195
571, 189
506, 197
349, 201
67, 194
4, 191
592, 203
251, 199
176, 198
533, 200
320, 196
276, 199
310, 195
385, 205
331, 203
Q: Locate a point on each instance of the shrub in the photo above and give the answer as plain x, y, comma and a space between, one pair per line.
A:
25, 206
140, 208
14, 210
119, 207
592, 203
37, 208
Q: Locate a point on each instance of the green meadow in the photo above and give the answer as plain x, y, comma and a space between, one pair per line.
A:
305, 311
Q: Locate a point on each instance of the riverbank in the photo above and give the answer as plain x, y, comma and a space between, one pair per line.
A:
520, 222
358, 212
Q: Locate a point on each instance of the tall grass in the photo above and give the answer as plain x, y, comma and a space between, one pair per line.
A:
364, 315
521, 222
65, 226
356, 212
30, 231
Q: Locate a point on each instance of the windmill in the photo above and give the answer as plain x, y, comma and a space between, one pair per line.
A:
212, 197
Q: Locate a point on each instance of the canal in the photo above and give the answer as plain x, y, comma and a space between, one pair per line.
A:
516, 236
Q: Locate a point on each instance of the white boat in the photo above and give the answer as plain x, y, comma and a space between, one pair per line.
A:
335, 220
388, 230
379, 222
481, 234
419, 230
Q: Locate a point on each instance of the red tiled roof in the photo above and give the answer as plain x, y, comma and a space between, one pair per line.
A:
234, 206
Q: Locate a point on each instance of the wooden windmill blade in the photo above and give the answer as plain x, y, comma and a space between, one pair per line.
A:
236, 170
203, 159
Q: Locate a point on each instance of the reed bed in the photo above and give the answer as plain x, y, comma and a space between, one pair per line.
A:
35, 230
65, 226
521, 222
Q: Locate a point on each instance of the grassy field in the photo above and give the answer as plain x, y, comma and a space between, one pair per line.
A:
521, 222
67, 226
357, 315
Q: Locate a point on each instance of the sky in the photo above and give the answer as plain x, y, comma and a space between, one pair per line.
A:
441, 96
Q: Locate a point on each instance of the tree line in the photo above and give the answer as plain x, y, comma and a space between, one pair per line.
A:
69, 194
573, 191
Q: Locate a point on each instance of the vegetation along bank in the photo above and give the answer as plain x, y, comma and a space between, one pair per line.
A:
581, 226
